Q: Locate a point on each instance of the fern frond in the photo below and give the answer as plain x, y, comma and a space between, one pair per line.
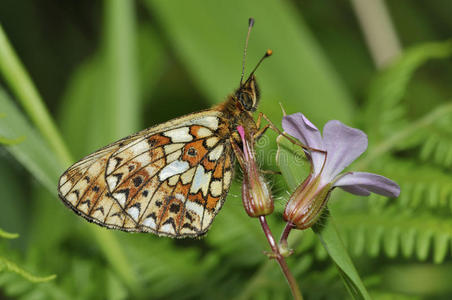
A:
398, 232
384, 111
7, 235
437, 146
6, 265
422, 185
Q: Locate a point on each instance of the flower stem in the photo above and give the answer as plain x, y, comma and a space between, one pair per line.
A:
283, 244
280, 259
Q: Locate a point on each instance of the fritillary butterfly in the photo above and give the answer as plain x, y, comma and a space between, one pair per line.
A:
170, 179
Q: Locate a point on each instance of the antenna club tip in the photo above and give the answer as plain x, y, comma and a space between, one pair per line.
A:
269, 52
251, 22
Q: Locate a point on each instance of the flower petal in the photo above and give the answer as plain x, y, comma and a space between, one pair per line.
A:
343, 144
298, 126
357, 182
356, 190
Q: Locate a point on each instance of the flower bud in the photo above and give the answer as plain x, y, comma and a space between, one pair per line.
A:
307, 203
256, 195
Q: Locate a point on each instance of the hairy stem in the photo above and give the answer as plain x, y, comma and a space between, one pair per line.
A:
280, 259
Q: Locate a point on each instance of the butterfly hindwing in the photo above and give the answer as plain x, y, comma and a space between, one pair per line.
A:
171, 179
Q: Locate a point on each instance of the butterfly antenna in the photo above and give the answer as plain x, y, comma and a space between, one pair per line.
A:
250, 25
268, 53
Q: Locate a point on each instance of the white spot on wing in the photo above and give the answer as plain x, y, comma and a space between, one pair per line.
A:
112, 181
194, 207
133, 212
207, 219
227, 179
111, 165
142, 159
200, 181
139, 148
203, 132
210, 142
180, 197
150, 223
209, 121
167, 228
216, 188
187, 176
173, 180
179, 135
216, 153
173, 156
218, 206
174, 168
120, 197
172, 147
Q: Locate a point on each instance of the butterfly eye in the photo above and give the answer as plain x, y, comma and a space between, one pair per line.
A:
247, 100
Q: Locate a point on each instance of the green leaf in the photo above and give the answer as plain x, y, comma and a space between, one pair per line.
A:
209, 38
32, 152
40, 158
324, 228
21, 85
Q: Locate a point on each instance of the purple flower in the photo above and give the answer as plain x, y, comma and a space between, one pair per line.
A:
341, 145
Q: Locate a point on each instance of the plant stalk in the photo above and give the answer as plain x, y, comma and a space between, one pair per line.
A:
280, 259
283, 244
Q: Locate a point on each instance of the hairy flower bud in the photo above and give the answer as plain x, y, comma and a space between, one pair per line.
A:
256, 195
307, 203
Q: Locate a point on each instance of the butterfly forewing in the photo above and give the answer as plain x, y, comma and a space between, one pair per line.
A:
170, 179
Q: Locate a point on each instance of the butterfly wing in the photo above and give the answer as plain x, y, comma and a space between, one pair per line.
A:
171, 179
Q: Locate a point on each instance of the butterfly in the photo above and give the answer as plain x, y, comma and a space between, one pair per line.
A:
171, 179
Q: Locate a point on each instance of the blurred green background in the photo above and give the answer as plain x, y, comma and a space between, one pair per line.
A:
106, 69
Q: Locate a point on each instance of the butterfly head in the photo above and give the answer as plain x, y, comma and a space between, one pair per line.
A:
248, 94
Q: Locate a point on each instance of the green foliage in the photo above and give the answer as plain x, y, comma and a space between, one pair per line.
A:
414, 153
9, 266
16, 278
109, 70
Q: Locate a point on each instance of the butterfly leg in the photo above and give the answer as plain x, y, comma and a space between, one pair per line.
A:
273, 127
260, 132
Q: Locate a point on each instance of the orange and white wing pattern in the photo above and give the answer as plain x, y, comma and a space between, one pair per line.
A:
171, 179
